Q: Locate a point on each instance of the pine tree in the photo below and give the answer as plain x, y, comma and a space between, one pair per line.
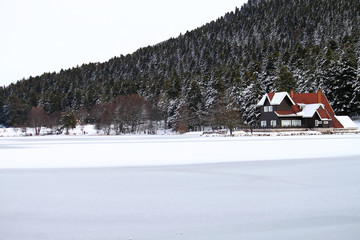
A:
285, 81
68, 120
194, 97
15, 111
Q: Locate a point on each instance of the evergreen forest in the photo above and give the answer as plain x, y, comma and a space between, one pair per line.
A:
213, 75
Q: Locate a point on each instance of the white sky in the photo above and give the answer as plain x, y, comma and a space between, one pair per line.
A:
40, 36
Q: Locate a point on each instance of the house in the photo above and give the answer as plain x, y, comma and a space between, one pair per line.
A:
297, 110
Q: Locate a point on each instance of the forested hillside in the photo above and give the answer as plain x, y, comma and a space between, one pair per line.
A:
221, 67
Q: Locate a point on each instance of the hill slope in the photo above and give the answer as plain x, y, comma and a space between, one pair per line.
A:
267, 45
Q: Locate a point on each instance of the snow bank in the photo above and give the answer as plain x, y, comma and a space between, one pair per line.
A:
357, 122
80, 130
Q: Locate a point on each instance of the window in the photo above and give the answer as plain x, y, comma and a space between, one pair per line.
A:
263, 123
291, 123
296, 123
317, 123
273, 123
286, 123
268, 108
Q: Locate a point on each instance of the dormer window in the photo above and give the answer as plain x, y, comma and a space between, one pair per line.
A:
268, 108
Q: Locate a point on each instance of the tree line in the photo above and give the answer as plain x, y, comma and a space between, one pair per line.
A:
133, 114
266, 46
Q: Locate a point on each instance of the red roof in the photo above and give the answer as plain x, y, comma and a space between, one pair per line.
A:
336, 123
311, 98
295, 109
323, 114
271, 95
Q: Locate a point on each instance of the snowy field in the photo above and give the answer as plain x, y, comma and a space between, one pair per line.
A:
180, 187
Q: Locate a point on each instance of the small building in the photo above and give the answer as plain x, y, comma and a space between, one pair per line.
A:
296, 110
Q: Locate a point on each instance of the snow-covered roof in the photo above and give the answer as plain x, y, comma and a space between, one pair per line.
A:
346, 122
308, 110
286, 114
276, 99
262, 101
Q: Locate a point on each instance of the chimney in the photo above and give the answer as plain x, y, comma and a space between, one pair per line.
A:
292, 93
319, 95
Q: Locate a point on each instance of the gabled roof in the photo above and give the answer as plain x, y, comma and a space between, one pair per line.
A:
309, 110
275, 98
311, 98
304, 105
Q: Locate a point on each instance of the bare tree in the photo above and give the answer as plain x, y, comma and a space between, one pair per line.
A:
55, 119
37, 118
231, 119
181, 127
82, 116
107, 117
188, 116
95, 113
225, 112
130, 111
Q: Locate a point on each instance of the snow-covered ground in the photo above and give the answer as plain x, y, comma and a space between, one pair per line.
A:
180, 187
121, 151
90, 130
357, 122
79, 130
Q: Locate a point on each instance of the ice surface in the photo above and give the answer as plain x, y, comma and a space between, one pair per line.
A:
115, 151
295, 199
161, 189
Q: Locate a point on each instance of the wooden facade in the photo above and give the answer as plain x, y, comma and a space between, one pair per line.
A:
284, 110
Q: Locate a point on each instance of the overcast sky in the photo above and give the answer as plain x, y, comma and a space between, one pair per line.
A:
40, 36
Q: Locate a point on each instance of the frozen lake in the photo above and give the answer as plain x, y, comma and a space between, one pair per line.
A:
227, 188
124, 151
